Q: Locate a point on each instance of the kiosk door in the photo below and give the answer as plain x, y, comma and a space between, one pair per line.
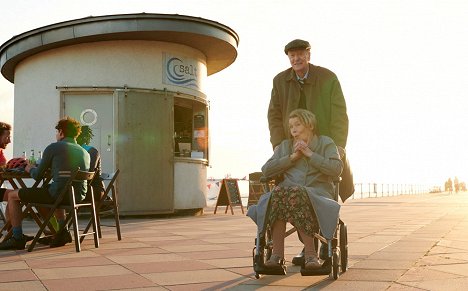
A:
145, 153
97, 111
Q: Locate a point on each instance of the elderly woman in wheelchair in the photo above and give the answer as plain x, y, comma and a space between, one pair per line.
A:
308, 163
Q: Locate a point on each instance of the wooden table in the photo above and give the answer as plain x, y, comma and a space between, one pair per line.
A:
16, 179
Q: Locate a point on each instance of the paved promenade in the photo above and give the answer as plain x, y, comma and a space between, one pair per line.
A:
408, 242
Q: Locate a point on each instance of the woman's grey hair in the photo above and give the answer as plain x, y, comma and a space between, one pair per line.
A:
306, 117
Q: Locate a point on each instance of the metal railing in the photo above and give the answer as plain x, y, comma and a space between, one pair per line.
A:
374, 190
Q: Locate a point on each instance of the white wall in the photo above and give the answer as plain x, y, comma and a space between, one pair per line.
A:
111, 63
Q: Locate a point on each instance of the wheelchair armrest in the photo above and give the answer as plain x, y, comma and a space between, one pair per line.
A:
270, 182
277, 179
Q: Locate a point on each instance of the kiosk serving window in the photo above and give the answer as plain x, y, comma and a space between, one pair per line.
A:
190, 129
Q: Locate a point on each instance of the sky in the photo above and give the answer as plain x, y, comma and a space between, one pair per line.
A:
402, 65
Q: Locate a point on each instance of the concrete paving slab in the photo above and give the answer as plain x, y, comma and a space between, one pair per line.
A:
419, 274
25, 285
214, 254
291, 280
230, 262
395, 256
445, 285
372, 275
194, 248
377, 238
18, 265
80, 272
403, 287
17, 276
433, 260
68, 262
167, 266
155, 288
458, 269
99, 283
191, 277
384, 264
137, 251
154, 258
350, 285
460, 245
365, 248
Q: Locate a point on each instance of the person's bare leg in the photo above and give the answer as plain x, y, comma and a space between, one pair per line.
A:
14, 208
278, 231
5, 199
311, 258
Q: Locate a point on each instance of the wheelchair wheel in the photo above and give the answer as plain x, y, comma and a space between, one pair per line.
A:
344, 246
335, 268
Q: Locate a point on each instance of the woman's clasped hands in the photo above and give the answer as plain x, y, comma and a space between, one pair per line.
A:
301, 148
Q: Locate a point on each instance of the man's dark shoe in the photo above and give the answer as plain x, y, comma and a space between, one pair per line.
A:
61, 238
298, 260
45, 240
28, 237
13, 244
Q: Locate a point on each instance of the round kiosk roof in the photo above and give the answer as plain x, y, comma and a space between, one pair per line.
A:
217, 41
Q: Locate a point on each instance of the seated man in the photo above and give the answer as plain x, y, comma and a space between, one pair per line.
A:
61, 158
5, 139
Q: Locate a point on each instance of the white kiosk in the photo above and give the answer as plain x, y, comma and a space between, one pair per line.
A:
137, 81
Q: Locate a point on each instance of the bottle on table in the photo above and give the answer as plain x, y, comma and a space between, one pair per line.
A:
39, 158
32, 159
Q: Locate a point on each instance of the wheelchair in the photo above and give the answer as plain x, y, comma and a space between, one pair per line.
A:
334, 250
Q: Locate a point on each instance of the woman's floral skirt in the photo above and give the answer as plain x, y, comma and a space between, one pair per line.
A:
292, 204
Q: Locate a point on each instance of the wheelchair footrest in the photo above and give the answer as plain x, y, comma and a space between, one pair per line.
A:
325, 269
280, 270
260, 268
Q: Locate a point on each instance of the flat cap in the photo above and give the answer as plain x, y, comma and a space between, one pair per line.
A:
296, 44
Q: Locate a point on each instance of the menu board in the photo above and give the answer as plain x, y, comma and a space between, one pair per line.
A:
229, 195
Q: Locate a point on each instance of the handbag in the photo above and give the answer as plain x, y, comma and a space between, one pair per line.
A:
347, 181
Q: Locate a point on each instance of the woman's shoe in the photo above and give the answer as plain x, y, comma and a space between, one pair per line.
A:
273, 261
312, 263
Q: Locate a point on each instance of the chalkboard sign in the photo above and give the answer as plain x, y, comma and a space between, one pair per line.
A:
229, 195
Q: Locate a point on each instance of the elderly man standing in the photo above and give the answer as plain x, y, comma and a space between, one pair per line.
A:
61, 158
309, 87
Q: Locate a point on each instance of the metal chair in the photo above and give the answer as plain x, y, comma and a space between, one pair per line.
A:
72, 210
112, 204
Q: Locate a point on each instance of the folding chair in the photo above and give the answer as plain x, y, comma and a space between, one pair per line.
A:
256, 188
71, 209
112, 204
